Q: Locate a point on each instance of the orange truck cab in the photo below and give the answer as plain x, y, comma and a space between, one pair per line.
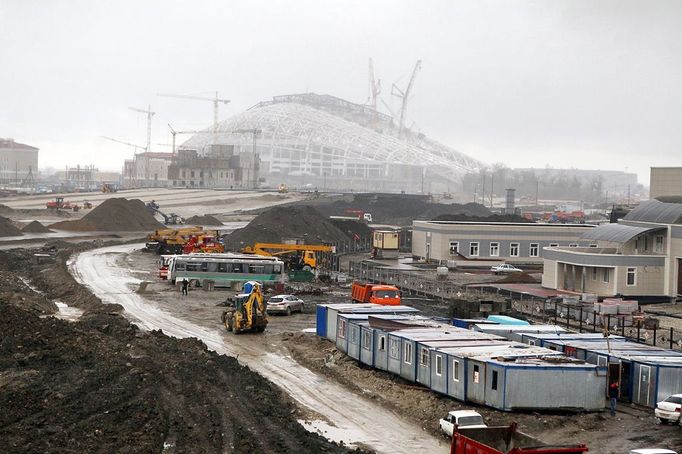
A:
387, 295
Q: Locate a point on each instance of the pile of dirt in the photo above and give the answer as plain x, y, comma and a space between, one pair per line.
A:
518, 278
354, 229
282, 222
203, 220
489, 218
7, 228
35, 227
114, 215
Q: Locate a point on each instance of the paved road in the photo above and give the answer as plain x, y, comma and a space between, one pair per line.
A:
356, 418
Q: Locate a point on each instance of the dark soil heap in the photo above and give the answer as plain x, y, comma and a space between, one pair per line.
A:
203, 220
114, 215
280, 222
35, 227
7, 228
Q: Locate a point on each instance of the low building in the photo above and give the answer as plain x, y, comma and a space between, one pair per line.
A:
17, 161
665, 181
221, 168
147, 170
639, 257
514, 242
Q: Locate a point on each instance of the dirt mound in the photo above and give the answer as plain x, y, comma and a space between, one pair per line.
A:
518, 278
354, 229
114, 215
203, 220
7, 228
279, 223
35, 227
489, 218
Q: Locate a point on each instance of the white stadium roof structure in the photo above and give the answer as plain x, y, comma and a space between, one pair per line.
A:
321, 134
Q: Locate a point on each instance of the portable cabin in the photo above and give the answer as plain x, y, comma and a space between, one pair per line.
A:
507, 320
539, 339
355, 338
327, 315
654, 379
543, 383
348, 332
402, 348
467, 323
515, 332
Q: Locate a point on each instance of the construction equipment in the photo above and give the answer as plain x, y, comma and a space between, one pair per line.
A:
405, 96
247, 311
59, 204
386, 295
505, 440
298, 256
168, 219
171, 241
360, 215
283, 189
205, 242
216, 103
108, 188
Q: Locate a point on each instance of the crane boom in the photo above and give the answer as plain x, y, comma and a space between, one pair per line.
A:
216, 102
404, 95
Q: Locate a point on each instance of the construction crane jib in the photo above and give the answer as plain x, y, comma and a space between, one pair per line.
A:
216, 102
149, 114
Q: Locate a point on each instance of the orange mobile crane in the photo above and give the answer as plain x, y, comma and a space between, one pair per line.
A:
301, 256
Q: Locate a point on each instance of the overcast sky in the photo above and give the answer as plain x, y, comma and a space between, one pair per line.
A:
584, 84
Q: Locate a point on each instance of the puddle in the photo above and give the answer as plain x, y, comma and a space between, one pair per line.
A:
66, 312
329, 432
309, 330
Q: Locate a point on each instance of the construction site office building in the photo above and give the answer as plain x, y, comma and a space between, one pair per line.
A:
17, 160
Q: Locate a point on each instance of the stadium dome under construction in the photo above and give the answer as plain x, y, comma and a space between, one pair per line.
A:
322, 141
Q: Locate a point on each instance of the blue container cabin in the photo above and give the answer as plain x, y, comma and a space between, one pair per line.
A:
654, 379
506, 320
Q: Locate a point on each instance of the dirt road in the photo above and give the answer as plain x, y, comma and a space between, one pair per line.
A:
355, 419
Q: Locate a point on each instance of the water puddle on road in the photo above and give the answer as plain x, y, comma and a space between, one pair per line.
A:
67, 312
329, 432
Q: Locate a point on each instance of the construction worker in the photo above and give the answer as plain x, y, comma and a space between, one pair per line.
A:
185, 286
613, 397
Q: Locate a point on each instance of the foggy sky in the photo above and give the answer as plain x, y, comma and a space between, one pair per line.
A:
579, 84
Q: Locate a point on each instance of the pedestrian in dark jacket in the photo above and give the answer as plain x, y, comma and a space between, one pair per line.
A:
613, 396
185, 286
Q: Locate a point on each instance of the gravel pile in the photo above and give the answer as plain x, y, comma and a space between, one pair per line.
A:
203, 220
35, 227
7, 228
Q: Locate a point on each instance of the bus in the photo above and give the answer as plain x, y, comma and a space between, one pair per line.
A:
224, 270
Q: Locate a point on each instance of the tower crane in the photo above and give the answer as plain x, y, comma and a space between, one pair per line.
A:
374, 87
216, 102
174, 132
124, 143
404, 95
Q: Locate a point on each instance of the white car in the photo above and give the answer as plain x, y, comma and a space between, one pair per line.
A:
670, 409
505, 268
652, 451
463, 419
284, 304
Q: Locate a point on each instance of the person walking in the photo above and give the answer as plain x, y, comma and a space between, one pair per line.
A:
185, 286
613, 396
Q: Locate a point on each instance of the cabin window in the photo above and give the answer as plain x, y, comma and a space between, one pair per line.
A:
658, 243
493, 386
477, 374
494, 249
534, 249
601, 361
473, 249
366, 339
594, 274
606, 276
342, 329
513, 249
407, 357
382, 343
631, 277
455, 370
424, 356
394, 349
354, 334
439, 365
454, 247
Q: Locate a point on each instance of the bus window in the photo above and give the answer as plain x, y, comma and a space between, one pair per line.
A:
179, 266
212, 267
236, 267
256, 269
268, 269
278, 269
192, 266
222, 267
204, 266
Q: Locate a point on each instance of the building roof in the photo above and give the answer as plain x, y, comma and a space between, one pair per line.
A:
616, 233
664, 210
154, 154
10, 143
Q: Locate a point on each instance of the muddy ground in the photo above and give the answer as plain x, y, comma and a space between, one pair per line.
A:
102, 385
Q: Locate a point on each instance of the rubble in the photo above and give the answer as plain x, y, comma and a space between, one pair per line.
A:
114, 215
7, 228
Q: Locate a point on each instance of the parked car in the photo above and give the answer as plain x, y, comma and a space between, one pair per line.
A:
505, 268
670, 409
284, 304
462, 419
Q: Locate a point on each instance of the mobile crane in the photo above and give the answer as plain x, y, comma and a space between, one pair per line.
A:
300, 256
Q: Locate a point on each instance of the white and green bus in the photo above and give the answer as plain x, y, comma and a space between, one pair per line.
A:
224, 270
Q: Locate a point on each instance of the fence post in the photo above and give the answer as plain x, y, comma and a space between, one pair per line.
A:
580, 325
671, 338
556, 311
654, 335
639, 326
608, 322
594, 320
568, 316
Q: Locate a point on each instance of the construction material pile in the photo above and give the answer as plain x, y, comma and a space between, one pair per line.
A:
7, 228
114, 215
35, 227
287, 222
203, 220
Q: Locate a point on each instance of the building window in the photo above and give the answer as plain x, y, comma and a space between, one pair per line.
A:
534, 249
513, 249
366, 339
342, 329
494, 249
394, 349
658, 243
553, 244
354, 334
494, 383
382, 343
455, 370
593, 245
477, 374
573, 245
473, 249
454, 247
606, 276
631, 277
594, 274
424, 357
439, 365
191, 174
407, 357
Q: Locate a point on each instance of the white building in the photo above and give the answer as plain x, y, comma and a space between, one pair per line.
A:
17, 160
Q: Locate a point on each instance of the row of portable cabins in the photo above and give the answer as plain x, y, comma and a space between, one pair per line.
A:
468, 365
646, 374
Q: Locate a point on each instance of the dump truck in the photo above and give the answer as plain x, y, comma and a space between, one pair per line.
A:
386, 295
505, 440
296, 256
247, 311
171, 241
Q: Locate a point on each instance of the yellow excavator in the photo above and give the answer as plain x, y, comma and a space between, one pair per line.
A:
297, 256
247, 311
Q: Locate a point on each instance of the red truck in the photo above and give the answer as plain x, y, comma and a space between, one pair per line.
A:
504, 440
386, 295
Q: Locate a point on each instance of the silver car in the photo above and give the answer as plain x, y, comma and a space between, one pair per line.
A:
284, 304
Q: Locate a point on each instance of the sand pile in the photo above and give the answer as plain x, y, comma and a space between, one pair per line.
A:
280, 223
35, 227
203, 220
114, 215
7, 228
